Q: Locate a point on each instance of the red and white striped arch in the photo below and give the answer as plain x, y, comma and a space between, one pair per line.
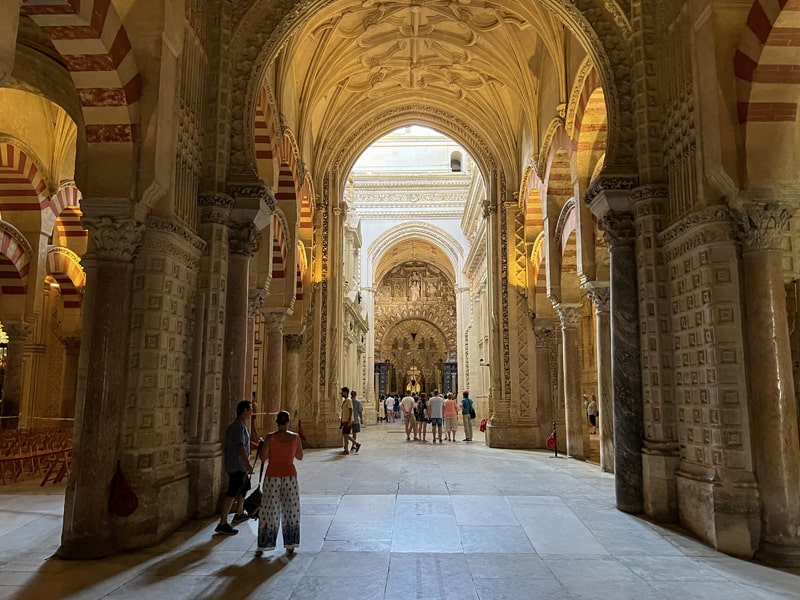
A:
265, 137
588, 129
15, 261
90, 37
287, 190
66, 205
767, 63
532, 204
278, 248
300, 272
306, 209
64, 267
539, 273
22, 187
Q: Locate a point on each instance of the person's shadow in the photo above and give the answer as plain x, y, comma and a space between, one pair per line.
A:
242, 580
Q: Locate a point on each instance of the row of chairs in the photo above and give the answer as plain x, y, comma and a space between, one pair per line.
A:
35, 453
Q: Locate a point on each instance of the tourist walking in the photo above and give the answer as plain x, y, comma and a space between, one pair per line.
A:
280, 502
466, 416
238, 468
421, 414
591, 412
346, 421
358, 413
389, 404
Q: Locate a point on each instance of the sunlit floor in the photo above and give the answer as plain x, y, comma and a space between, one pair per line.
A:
402, 520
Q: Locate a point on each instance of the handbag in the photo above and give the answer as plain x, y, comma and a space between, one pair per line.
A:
252, 503
472, 414
483, 425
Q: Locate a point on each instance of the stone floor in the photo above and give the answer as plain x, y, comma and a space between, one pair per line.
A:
402, 520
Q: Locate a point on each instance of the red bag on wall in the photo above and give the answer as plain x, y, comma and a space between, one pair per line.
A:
483, 425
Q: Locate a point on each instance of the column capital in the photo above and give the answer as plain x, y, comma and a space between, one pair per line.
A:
546, 337
255, 300
115, 239
274, 320
489, 208
294, 341
761, 225
243, 238
17, 331
570, 315
599, 294
618, 229
215, 207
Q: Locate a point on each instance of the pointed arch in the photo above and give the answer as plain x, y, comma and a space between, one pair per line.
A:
265, 138
15, 260
22, 184
278, 248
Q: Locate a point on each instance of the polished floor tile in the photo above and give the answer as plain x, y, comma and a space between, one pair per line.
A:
401, 520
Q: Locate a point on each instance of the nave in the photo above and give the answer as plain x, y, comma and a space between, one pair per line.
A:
402, 520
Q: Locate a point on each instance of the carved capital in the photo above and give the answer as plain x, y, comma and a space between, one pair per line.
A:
17, 331
243, 239
600, 295
72, 344
760, 226
274, 320
546, 337
489, 208
215, 207
618, 229
252, 189
114, 239
255, 300
293, 342
570, 315
607, 184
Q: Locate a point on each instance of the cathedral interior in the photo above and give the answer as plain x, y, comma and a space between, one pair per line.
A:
536, 201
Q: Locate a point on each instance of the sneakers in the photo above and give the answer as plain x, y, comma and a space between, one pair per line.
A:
225, 529
240, 518
357, 447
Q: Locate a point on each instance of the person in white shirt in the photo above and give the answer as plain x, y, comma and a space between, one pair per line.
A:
407, 408
436, 414
389, 403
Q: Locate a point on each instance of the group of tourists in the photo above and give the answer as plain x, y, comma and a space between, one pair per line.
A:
420, 410
280, 498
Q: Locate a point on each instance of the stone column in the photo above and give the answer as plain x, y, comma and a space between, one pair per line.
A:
255, 301
600, 296
547, 407
72, 347
273, 364
9, 23
570, 316
294, 346
773, 408
18, 333
620, 235
87, 531
242, 244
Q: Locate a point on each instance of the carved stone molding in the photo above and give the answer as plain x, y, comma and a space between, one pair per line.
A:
243, 239
546, 337
274, 320
563, 216
293, 342
215, 207
650, 200
609, 183
761, 226
707, 226
570, 315
600, 295
18, 237
17, 331
252, 189
114, 239
618, 229
184, 234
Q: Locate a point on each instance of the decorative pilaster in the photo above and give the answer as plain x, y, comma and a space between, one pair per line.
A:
255, 300
620, 236
273, 365
773, 406
294, 347
600, 296
87, 531
546, 381
570, 315
18, 333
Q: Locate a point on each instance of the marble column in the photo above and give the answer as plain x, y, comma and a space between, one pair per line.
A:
570, 316
242, 240
547, 406
87, 531
72, 347
9, 23
600, 296
773, 408
18, 333
620, 235
273, 365
294, 346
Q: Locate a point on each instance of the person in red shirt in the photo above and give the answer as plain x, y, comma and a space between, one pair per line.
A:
280, 503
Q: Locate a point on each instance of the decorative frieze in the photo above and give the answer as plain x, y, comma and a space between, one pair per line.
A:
215, 207
114, 239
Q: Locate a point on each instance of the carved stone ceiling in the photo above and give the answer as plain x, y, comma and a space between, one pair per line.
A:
410, 251
482, 60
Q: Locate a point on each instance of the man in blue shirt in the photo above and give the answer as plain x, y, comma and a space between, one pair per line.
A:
466, 407
238, 468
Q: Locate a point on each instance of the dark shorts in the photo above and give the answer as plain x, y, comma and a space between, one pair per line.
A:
347, 428
436, 422
356, 427
238, 484
593, 420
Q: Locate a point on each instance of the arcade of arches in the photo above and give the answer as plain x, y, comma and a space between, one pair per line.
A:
182, 220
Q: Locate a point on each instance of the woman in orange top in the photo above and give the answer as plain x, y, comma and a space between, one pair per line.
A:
280, 503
